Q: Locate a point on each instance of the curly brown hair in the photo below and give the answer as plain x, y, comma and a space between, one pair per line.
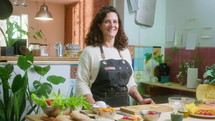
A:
95, 36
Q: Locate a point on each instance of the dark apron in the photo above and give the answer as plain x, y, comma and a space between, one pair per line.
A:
111, 81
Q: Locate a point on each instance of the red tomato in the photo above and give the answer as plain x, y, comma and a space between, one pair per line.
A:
151, 113
49, 102
126, 117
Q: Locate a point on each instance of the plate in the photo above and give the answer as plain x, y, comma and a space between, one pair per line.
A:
202, 116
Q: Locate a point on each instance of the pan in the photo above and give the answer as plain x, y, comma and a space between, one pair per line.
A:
6, 9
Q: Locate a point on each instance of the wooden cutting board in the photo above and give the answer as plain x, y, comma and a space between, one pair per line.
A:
135, 110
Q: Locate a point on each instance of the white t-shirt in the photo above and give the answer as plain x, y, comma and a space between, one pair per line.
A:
89, 63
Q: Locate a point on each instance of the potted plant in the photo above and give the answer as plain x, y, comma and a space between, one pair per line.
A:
15, 95
209, 75
12, 28
13, 40
162, 70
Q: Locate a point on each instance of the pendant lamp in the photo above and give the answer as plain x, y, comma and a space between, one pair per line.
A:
43, 13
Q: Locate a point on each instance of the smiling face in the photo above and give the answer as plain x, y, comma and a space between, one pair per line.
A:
109, 26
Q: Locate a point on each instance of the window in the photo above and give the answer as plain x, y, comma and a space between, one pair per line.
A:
22, 20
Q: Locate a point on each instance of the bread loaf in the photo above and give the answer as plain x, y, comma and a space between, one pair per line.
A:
77, 116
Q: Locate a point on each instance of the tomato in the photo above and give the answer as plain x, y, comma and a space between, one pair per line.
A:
205, 112
49, 102
126, 117
151, 113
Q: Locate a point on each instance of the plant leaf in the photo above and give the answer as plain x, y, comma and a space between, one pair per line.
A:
36, 84
17, 83
9, 68
44, 89
30, 57
16, 107
56, 79
42, 70
2, 113
9, 109
24, 63
38, 101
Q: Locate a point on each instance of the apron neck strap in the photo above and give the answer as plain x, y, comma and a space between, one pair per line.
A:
103, 55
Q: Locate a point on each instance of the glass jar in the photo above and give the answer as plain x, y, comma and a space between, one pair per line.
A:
35, 49
43, 50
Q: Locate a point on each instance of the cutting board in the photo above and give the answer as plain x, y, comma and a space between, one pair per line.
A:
135, 110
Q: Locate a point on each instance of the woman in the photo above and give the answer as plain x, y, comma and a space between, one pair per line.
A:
104, 70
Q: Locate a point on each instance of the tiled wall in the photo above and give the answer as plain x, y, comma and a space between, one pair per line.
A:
206, 55
138, 57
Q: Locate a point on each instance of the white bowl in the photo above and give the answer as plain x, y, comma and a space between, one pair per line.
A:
145, 114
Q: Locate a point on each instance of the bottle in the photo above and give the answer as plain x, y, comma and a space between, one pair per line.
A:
59, 49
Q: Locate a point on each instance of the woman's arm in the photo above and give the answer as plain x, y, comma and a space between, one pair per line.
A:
134, 93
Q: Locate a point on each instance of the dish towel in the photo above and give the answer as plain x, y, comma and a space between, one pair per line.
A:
145, 13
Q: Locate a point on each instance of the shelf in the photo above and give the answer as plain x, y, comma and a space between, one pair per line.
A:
40, 58
170, 85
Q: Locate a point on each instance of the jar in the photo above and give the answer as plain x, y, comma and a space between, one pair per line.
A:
43, 50
35, 49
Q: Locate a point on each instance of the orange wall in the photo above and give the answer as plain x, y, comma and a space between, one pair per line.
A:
53, 30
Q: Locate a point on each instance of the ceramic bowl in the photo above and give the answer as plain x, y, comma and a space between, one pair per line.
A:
177, 116
148, 115
108, 115
94, 108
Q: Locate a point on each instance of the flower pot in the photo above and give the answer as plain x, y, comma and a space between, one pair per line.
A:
162, 70
7, 51
19, 43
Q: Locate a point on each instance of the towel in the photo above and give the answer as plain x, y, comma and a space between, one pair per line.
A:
146, 12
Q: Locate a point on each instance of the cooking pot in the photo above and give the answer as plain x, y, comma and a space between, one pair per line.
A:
6, 9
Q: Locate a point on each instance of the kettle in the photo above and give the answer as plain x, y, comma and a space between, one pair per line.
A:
59, 49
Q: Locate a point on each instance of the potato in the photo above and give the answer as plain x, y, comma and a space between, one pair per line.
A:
77, 116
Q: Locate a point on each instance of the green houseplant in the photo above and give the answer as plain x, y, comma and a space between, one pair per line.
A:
210, 74
13, 105
13, 36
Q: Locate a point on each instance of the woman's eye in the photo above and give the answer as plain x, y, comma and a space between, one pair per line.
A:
106, 21
115, 22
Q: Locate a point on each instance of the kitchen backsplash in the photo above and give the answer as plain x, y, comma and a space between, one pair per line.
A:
205, 55
138, 57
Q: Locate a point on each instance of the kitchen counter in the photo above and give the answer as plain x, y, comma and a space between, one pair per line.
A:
153, 89
41, 60
165, 116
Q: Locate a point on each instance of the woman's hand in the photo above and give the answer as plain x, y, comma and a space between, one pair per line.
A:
147, 101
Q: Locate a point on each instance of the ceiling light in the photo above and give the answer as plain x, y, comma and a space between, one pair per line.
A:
43, 13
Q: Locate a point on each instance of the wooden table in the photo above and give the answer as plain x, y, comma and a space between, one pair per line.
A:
165, 116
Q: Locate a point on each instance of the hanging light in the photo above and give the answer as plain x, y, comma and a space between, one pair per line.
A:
43, 13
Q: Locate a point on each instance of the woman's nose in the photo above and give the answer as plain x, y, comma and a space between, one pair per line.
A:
112, 24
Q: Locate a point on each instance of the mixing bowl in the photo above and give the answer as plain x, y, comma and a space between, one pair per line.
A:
55, 111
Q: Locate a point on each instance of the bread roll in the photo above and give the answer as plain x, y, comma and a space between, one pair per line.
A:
63, 118
77, 116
